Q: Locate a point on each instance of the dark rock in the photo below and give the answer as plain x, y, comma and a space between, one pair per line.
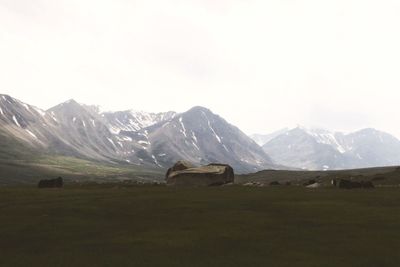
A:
347, 184
53, 183
274, 183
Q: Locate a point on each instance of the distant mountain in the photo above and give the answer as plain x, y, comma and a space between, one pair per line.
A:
139, 138
262, 139
372, 148
318, 149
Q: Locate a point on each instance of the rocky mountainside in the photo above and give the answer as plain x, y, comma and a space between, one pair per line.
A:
318, 149
201, 137
25, 124
158, 140
140, 138
134, 120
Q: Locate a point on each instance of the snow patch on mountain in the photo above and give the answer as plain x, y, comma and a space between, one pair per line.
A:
155, 161
326, 137
112, 142
16, 121
53, 116
41, 112
132, 121
31, 134
183, 131
211, 128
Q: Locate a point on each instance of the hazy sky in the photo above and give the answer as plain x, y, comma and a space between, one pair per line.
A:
262, 65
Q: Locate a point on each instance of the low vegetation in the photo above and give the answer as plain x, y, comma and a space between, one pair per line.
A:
381, 176
116, 225
31, 171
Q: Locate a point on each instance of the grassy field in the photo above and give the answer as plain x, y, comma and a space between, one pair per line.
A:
31, 171
111, 225
380, 176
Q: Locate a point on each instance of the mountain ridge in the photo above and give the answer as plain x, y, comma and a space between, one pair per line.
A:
320, 149
137, 138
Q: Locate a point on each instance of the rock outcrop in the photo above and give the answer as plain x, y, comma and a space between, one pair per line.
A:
185, 174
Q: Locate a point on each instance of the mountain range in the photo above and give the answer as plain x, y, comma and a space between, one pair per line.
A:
158, 140
154, 140
320, 149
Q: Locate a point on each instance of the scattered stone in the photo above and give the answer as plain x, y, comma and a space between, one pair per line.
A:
314, 185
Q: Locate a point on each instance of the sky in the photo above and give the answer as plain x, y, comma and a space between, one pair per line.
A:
262, 65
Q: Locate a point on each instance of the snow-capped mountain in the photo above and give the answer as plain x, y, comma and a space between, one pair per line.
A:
134, 120
198, 135
201, 137
25, 123
84, 132
140, 138
372, 148
319, 149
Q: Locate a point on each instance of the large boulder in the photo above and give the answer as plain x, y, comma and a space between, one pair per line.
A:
188, 175
179, 166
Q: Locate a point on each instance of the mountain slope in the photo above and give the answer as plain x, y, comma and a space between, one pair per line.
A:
145, 139
27, 124
134, 120
201, 137
372, 148
318, 149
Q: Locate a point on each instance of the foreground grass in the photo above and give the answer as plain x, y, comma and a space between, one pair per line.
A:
227, 226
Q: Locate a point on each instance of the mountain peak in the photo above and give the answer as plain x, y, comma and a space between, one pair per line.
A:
368, 130
7, 98
69, 104
197, 109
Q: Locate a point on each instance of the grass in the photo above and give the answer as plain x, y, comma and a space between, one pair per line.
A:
111, 225
31, 171
380, 176
24, 165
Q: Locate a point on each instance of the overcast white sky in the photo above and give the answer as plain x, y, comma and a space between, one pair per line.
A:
262, 65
